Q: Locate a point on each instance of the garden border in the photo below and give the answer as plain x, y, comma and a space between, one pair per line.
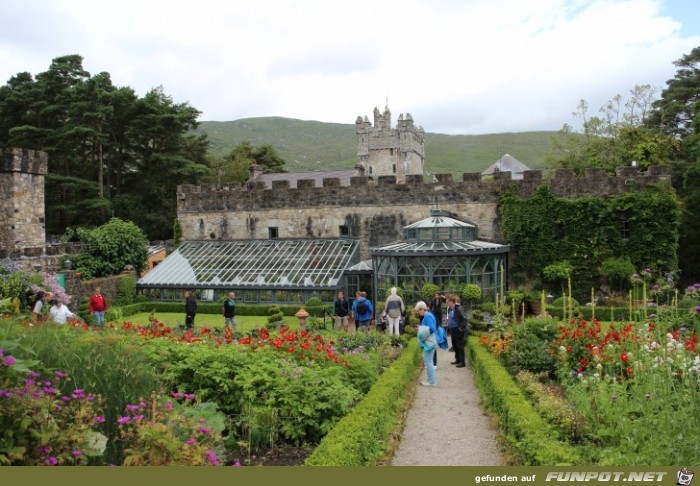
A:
528, 436
361, 438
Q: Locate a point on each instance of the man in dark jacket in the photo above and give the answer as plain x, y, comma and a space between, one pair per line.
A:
190, 309
458, 325
341, 312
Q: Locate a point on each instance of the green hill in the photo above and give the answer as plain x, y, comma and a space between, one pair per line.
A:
312, 145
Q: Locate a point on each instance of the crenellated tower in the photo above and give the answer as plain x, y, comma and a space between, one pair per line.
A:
22, 223
386, 151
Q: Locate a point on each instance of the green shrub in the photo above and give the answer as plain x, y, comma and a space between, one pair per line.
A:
428, 291
313, 302
559, 302
140, 299
126, 290
471, 293
617, 272
275, 318
533, 347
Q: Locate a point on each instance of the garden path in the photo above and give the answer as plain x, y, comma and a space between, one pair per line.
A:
445, 425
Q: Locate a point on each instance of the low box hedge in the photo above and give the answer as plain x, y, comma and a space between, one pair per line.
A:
216, 308
362, 436
529, 437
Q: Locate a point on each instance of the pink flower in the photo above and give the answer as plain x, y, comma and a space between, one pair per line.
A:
201, 421
177, 394
132, 408
100, 420
138, 417
32, 374
212, 458
123, 420
189, 396
169, 405
51, 461
142, 404
191, 441
59, 374
77, 452
203, 430
9, 360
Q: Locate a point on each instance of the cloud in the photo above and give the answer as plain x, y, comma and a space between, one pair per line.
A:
457, 66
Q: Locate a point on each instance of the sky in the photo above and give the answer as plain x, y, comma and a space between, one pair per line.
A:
457, 66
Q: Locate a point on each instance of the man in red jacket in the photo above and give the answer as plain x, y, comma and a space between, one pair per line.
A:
98, 306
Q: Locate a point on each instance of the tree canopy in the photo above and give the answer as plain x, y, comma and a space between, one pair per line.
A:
110, 151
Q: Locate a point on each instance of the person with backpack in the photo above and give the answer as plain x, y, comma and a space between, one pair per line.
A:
458, 325
362, 312
394, 308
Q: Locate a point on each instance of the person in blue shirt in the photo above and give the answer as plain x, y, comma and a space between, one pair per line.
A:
362, 312
428, 341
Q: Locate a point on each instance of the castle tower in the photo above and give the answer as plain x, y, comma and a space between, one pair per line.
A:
382, 150
22, 223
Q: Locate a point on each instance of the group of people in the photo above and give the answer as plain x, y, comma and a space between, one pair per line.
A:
430, 315
228, 309
59, 312
361, 312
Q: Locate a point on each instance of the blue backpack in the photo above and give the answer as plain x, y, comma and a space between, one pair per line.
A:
441, 337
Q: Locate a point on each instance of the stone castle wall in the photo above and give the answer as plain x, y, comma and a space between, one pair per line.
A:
22, 220
376, 213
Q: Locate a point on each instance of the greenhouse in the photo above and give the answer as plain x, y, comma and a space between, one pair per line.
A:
443, 251
266, 271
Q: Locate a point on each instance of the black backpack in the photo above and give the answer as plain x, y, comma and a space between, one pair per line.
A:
362, 307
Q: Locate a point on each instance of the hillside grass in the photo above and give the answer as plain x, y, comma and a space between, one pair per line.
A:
313, 145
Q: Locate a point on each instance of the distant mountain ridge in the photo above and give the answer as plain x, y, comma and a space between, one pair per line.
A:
313, 145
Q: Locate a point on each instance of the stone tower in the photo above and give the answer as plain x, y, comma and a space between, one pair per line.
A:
382, 150
22, 223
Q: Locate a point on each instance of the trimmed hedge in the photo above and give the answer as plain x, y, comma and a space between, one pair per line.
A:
601, 313
529, 437
362, 436
215, 308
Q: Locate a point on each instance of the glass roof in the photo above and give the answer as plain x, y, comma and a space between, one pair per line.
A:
287, 264
440, 248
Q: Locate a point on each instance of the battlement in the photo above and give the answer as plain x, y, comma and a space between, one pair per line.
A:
384, 190
23, 160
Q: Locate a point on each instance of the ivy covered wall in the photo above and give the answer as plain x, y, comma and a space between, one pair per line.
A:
544, 229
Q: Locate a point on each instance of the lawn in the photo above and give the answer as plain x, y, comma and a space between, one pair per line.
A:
173, 319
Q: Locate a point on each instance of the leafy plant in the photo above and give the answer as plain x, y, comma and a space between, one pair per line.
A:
126, 290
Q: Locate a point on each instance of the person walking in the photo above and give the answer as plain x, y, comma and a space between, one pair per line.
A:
341, 311
229, 310
97, 306
190, 309
394, 308
362, 312
458, 324
427, 341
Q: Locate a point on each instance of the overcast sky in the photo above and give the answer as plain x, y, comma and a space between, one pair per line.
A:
458, 66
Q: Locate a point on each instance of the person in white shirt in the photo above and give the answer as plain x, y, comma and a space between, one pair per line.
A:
59, 313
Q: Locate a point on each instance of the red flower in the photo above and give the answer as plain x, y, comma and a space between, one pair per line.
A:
624, 357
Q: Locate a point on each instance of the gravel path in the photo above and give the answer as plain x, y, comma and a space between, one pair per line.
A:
445, 425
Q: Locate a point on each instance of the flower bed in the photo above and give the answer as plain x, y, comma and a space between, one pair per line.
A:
268, 388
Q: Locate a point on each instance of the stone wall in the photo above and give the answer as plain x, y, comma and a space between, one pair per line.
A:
376, 213
79, 289
22, 220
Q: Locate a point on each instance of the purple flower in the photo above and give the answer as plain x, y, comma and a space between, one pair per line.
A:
647, 271
237, 464
100, 420
32, 374
201, 421
1, 352
636, 276
189, 396
203, 430
59, 374
191, 441
656, 287
123, 420
65, 399
77, 452
47, 383
51, 461
44, 449
29, 382
9, 360
177, 394
697, 308
49, 391
5, 393
212, 458
169, 405
132, 408
138, 417
142, 404
79, 392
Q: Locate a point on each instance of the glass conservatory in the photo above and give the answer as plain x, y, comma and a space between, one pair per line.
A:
443, 251
265, 271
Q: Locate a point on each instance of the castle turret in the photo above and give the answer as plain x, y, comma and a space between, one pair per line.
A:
22, 215
382, 150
